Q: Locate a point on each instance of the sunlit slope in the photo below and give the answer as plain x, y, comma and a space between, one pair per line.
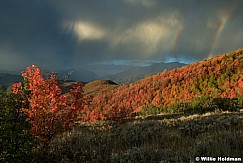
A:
221, 76
99, 86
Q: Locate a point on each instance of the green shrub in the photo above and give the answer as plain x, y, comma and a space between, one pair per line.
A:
149, 110
179, 107
203, 104
16, 141
240, 102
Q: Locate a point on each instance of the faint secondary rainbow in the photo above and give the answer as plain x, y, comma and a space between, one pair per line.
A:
217, 35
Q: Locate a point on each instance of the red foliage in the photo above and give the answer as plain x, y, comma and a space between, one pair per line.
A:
240, 82
16, 87
50, 111
220, 74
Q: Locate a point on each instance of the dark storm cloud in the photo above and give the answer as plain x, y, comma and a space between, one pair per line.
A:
30, 33
61, 33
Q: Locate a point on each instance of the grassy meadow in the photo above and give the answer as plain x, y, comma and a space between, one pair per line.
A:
151, 138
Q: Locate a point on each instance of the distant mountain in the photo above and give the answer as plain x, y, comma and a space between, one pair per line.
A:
220, 76
137, 73
105, 69
77, 75
16, 72
6, 78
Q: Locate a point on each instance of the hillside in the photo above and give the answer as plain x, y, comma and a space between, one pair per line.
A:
67, 85
137, 73
220, 76
163, 138
99, 86
177, 137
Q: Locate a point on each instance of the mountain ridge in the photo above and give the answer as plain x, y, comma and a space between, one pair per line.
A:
139, 72
220, 76
7, 78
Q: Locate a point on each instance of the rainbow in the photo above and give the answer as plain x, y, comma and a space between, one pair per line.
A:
217, 35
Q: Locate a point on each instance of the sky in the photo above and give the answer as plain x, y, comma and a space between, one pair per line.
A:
78, 33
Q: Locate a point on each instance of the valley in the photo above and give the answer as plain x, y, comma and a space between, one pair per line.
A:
175, 115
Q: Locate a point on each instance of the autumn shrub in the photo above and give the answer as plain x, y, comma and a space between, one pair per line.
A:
16, 141
107, 108
49, 112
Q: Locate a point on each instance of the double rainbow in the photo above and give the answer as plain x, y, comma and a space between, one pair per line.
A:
219, 30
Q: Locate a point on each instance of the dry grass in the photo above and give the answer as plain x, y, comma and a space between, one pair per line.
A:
161, 138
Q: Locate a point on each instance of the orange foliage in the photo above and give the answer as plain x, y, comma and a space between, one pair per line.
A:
179, 85
49, 110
